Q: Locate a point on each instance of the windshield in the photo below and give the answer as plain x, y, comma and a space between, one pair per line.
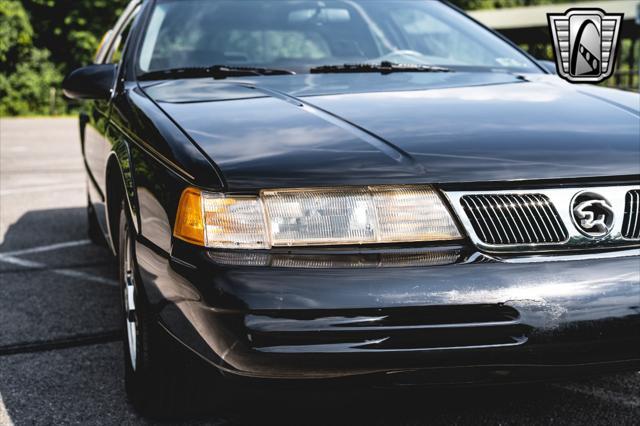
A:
300, 35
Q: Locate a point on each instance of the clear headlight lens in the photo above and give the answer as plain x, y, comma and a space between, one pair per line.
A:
307, 217
234, 222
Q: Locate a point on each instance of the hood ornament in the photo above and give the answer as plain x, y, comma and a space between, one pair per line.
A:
592, 214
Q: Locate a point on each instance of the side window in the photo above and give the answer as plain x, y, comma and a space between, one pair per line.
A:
120, 42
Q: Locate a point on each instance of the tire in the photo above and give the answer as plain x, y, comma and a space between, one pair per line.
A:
162, 379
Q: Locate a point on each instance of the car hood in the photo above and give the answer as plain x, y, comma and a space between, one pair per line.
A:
322, 130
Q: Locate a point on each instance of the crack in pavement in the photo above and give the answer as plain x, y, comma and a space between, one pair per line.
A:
62, 343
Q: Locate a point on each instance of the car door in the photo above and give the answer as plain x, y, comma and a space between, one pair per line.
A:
95, 121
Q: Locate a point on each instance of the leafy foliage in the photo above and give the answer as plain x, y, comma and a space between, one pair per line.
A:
497, 4
33, 63
26, 73
72, 29
15, 34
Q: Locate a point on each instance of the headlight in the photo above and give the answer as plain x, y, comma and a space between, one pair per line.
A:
313, 217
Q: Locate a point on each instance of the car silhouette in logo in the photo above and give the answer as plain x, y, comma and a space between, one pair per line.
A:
585, 42
585, 59
592, 215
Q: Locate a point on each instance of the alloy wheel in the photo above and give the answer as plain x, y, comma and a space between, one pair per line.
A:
131, 318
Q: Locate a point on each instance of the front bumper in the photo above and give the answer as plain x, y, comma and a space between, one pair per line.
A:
470, 317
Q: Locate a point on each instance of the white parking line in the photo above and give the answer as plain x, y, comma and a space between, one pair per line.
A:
5, 419
65, 272
603, 394
41, 249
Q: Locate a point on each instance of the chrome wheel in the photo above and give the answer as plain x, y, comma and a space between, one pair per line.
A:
131, 318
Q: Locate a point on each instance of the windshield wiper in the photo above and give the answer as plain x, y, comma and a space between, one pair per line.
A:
218, 72
384, 67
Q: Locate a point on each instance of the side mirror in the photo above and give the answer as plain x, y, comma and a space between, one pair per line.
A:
549, 66
91, 82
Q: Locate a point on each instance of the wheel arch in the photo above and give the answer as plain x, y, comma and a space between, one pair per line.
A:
120, 187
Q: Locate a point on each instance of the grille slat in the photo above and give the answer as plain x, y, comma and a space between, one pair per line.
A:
627, 225
484, 213
494, 214
522, 225
533, 217
546, 220
552, 219
506, 206
556, 220
531, 204
505, 219
542, 219
474, 211
631, 223
636, 224
502, 217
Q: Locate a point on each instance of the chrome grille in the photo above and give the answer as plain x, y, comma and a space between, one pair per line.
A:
509, 219
631, 224
544, 219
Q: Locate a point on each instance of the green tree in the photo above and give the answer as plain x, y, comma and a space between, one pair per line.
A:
15, 34
72, 29
497, 4
26, 73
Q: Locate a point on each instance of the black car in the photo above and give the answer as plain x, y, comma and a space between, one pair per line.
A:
345, 189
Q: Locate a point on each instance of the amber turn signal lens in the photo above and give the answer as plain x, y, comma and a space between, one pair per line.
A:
189, 220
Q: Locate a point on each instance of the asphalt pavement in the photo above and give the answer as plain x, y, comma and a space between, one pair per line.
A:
61, 350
